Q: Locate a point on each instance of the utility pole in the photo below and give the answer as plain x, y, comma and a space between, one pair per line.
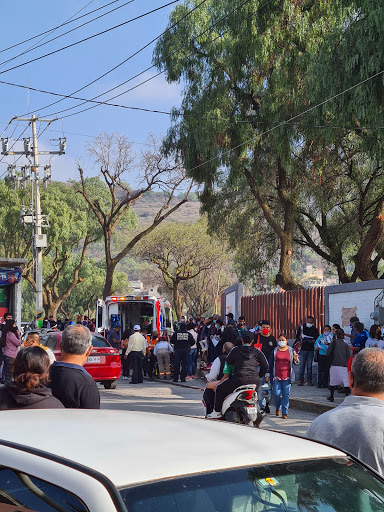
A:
34, 216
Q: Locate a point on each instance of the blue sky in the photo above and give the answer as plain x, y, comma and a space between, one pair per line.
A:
70, 69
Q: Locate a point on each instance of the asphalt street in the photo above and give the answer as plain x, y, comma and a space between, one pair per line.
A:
165, 398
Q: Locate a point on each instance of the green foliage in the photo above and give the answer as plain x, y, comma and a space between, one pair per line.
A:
271, 63
193, 264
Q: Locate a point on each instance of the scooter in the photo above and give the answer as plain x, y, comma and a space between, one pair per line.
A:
242, 406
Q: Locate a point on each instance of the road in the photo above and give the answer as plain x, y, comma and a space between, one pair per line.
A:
166, 398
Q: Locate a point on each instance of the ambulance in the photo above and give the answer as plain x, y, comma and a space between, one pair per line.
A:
128, 311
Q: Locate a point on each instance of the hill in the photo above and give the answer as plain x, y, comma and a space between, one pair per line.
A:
147, 207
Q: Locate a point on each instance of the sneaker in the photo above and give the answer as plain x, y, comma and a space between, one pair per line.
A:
278, 413
300, 383
214, 415
285, 416
310, 383
330, 398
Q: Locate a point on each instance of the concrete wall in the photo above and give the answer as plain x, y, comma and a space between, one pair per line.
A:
231, 302
354, 299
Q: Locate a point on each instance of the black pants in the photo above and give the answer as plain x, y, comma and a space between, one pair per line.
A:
227, 386
125, 363
323, 371
149, 365
137, 367
209, 400
181, 358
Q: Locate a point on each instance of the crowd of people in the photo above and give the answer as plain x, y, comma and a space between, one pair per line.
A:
32, 377
233, 353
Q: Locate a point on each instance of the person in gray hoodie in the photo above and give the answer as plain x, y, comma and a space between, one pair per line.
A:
338, 353
29, 390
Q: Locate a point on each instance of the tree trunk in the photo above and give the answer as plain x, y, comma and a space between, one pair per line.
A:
285, 235
284, 276
111, 265
177, 299
363, 263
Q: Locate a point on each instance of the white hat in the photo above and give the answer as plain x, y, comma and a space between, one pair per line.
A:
137, 328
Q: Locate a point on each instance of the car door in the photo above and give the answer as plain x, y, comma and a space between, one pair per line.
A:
30, 482
52, 341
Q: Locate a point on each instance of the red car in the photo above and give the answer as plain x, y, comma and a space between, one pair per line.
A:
103, 363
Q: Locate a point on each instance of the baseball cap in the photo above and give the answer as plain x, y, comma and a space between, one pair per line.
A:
229, 315
137, 328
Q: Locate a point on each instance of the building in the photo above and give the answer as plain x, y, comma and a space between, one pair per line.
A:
10, 287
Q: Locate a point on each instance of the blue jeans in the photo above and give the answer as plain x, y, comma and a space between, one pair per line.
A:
281, 388
191, 361
306, 359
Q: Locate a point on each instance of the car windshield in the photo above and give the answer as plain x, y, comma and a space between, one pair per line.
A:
325, 485
98, 341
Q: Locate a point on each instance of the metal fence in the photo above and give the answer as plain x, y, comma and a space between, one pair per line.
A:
286, 310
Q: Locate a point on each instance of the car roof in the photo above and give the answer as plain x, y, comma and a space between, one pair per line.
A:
123, 445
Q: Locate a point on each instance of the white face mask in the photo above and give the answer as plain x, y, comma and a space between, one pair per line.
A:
327, 334
282, 343
309, 325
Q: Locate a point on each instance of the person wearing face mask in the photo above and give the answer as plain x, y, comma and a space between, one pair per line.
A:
322, 343
281, 363
241, 326
264, 339
306, 336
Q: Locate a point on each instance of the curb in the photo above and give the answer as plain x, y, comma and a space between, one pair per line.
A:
310, 405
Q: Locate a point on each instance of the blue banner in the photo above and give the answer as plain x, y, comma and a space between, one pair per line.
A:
10, 275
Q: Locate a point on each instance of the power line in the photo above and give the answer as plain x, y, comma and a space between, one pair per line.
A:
54, 29
62, 25
169, 55
122, 62
90, 37
250, 120
34, 47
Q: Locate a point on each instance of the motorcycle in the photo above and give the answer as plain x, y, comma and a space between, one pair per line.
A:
242, 406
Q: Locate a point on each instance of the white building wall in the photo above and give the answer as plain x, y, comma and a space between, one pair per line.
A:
355, 299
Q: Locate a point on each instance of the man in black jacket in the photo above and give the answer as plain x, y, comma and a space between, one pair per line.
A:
306, 337
230, 333
70, 383
182, 341
241, 367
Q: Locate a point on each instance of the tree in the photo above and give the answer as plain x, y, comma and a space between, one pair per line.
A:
83, 298
342, 220
351, 55
245, 74
182, 252
113, 153
71, 232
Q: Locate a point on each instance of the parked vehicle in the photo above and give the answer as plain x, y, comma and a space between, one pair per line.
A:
241, 470
129, 311
104, 364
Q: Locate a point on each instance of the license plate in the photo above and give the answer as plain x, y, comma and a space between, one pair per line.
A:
93, 359
251, 410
